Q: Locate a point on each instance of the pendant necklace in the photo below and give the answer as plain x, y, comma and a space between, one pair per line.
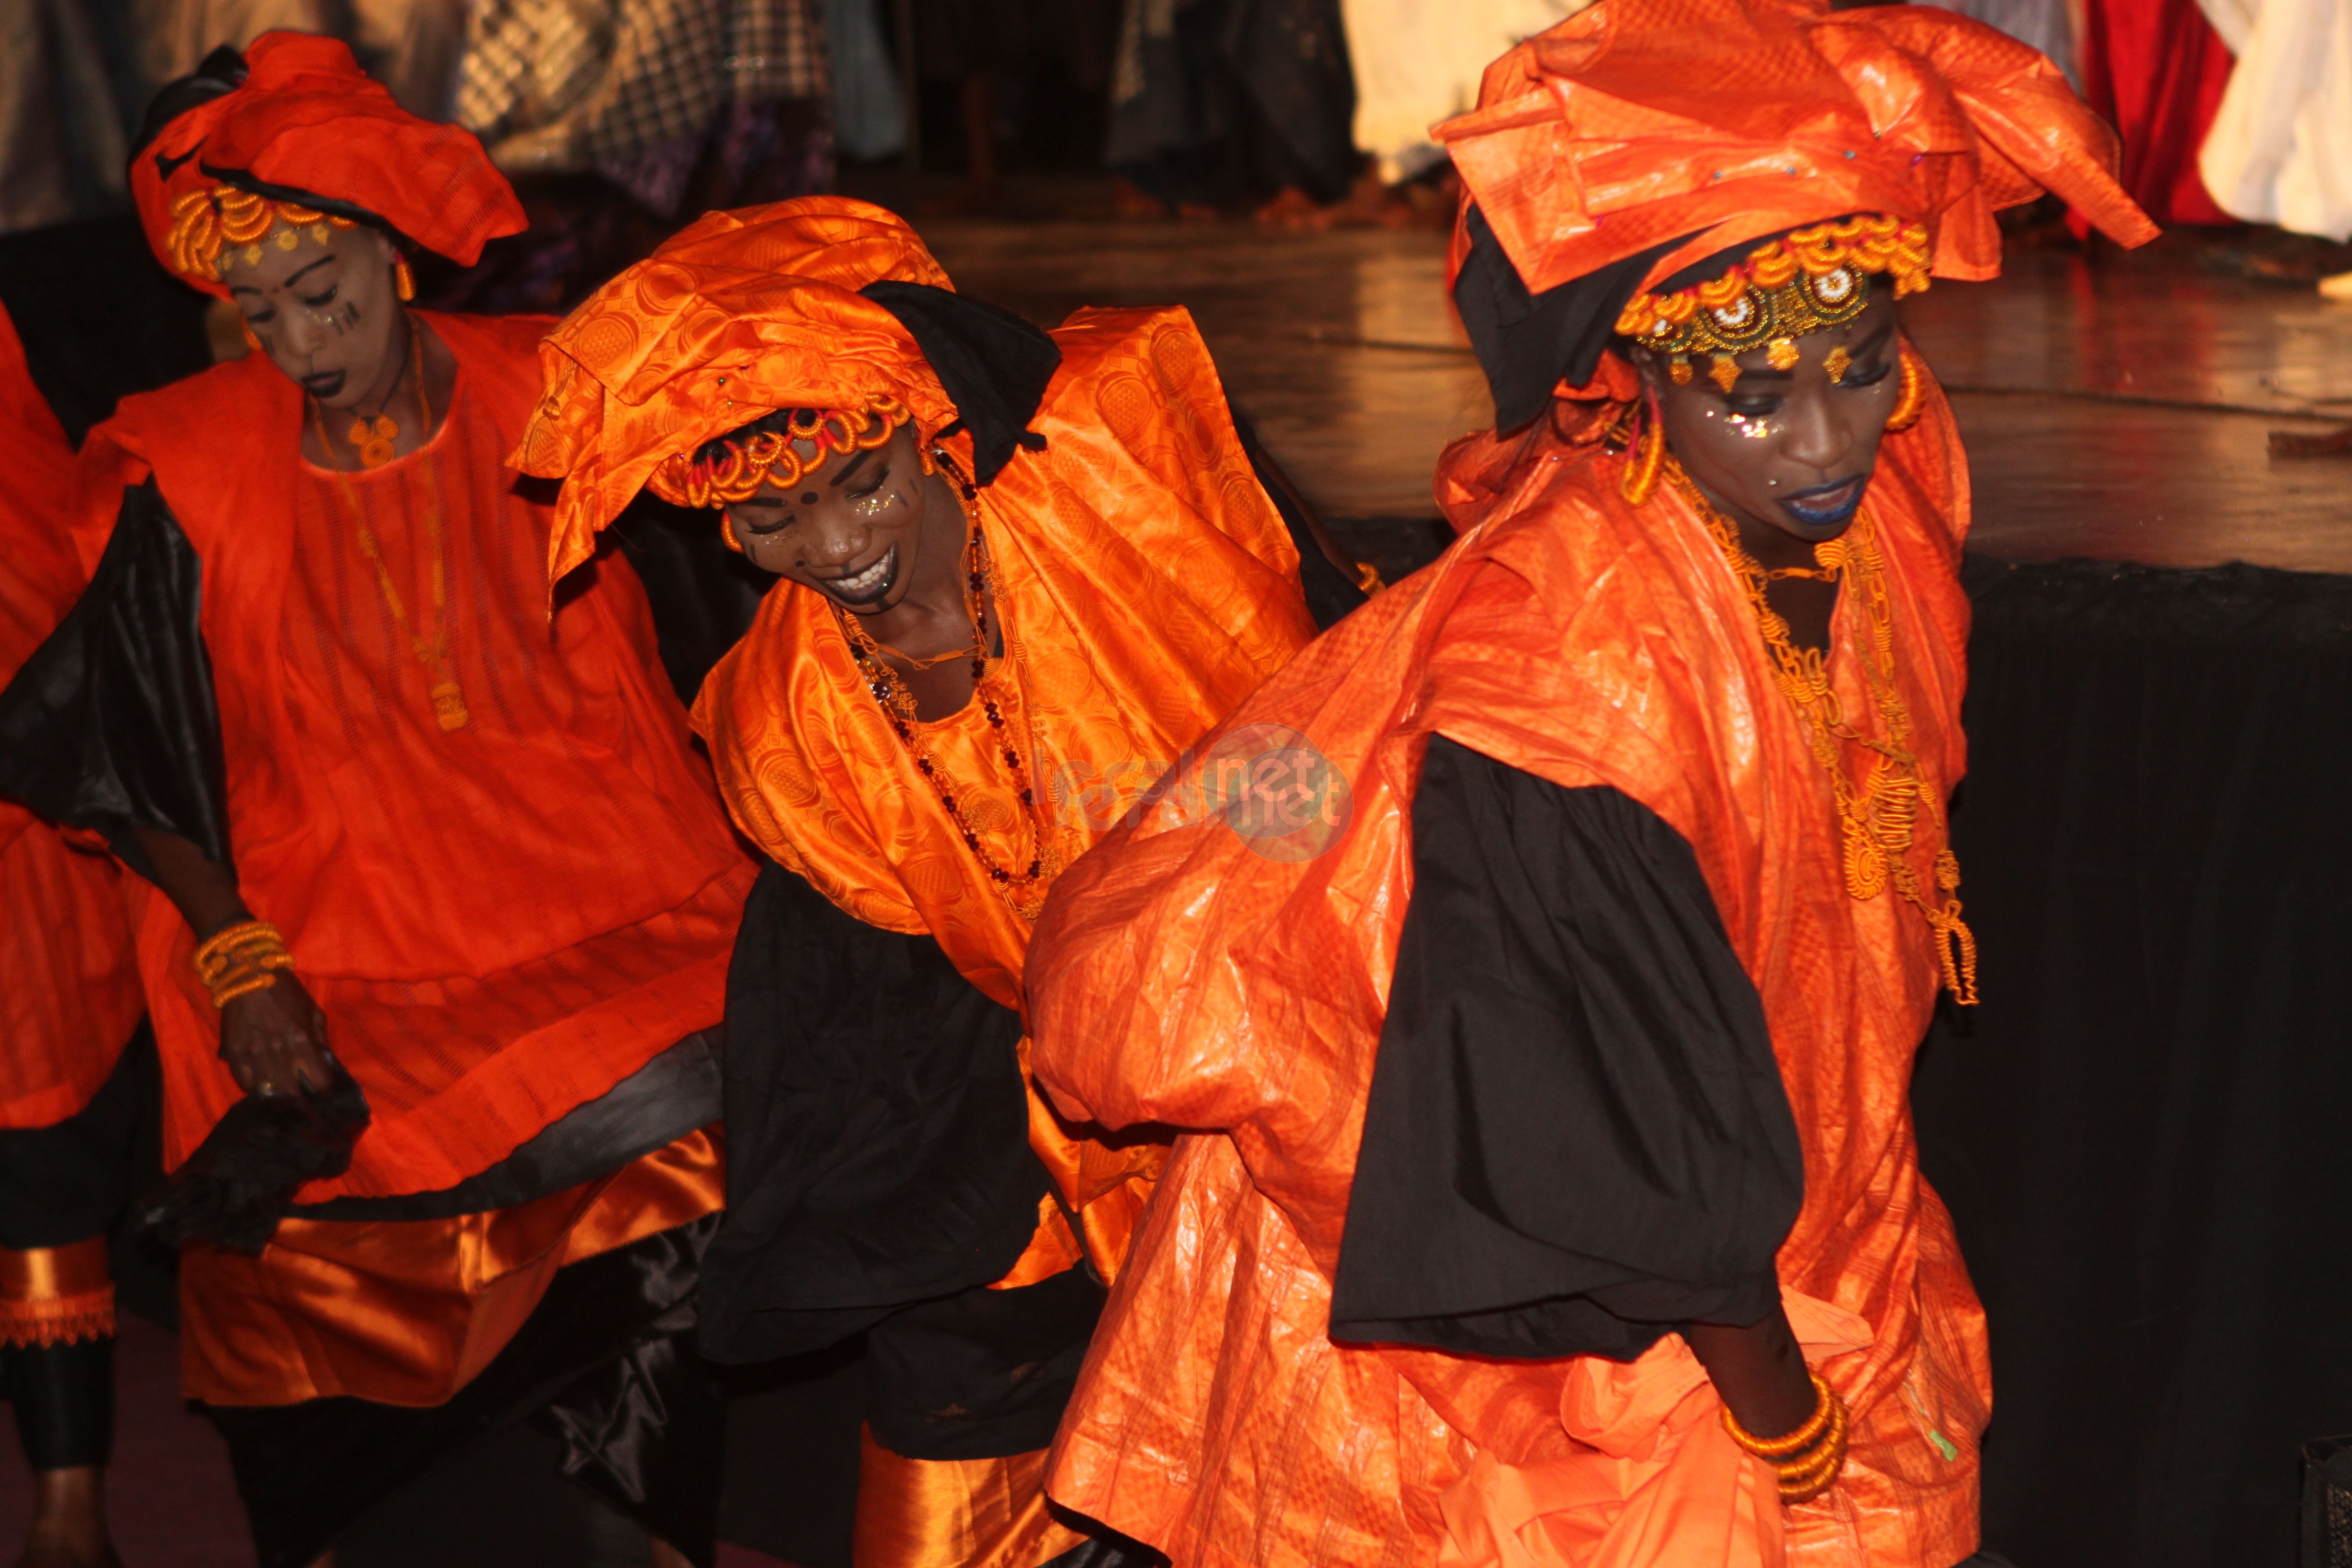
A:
432, 650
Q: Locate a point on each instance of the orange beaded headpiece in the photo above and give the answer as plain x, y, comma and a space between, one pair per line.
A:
1799, 283
773, 456
207, 225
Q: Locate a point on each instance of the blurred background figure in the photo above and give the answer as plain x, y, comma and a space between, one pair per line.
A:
2280, 151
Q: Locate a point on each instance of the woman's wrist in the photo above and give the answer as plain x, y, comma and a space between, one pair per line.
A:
1808, 1458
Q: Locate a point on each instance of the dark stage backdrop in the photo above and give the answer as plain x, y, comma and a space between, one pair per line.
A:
2146, 1133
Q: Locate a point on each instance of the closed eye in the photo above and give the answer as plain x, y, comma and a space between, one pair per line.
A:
326, 298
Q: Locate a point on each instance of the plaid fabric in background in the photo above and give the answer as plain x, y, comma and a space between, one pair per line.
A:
607, 83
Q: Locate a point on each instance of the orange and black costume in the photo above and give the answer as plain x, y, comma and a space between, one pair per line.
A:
1596, 1016
889, 1172
76, 1077
517, 924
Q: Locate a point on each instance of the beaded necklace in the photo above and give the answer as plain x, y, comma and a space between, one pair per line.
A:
1025, 890
432, 650
1878, 819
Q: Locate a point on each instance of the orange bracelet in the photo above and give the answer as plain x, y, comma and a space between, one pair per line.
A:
241, 959
1825, 1404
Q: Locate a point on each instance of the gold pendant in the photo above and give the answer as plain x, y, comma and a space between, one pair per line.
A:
375, 438
449, 706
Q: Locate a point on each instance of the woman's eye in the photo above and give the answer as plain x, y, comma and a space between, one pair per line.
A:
1752, 407
326, 298
763, 525
1866, 376
260, 318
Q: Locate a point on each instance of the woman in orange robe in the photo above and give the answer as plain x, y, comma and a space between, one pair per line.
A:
1022, 572
1552, 1196
458, 892
70, 1095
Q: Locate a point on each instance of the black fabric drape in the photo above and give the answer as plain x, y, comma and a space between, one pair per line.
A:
2141, 1132
70, 1181
112, 724
703, 595
63, 1397
605, 1362
980, 1374
1577, 1136
992, 364
878, 1149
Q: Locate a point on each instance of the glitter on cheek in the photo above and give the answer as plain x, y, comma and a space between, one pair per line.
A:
873, 505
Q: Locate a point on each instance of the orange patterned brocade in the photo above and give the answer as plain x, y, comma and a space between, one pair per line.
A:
1611, 132
407, 1312
500, 921
1179, 978
68, 985
57, 1295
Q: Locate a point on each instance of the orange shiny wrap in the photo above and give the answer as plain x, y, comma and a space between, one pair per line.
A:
739, 315
307, 120
501, 922
1146, 585
56, 1295
954, 1513
1180, 978
68, 985
1611, 132
407, 1312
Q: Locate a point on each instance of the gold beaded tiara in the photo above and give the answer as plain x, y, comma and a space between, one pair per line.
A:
1799, 283
207, 225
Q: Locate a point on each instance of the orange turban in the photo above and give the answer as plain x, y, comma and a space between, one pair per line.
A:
740, 315
305, 127
1639, 123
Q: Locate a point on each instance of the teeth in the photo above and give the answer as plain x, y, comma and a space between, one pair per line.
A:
869, 578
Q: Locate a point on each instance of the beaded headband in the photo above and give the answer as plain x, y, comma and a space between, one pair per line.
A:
773, 456
1799, 283
206, 224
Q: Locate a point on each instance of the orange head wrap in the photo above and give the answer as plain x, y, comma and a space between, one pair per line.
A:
1682, 131
305, 137
740, 315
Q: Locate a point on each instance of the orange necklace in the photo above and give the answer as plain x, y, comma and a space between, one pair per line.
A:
432, 650
1025, 889
1879, 818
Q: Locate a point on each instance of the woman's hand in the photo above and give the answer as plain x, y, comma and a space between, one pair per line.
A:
274, 1039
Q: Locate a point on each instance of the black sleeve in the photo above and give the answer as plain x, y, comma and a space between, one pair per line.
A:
1577, 1136
877, 1132
112, 724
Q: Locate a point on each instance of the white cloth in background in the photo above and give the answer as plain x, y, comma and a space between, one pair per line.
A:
2044, 24
1419, 61
2280, 151
870, 113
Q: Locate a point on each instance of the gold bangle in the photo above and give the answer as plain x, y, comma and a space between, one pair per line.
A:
1825, 1404
241, 959
1803, 1480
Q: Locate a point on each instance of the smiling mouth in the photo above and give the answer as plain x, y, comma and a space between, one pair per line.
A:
868, 586
325, 384
1826, 506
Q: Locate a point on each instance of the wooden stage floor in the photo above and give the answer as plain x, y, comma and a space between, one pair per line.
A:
2117, 407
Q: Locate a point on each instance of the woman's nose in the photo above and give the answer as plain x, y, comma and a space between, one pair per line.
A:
1815, 439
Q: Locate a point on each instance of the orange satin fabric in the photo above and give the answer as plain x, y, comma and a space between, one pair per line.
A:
309, 119
68, 987
500, 921
1614, 132
1180, 978
57, 1295
407, 1312
1146, 586
954, 1513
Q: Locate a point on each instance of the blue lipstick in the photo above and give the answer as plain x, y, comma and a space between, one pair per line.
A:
1827, 506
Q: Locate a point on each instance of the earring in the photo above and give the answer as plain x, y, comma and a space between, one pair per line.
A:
252, 341
1914, 397
403, 281
1640, 480
727, 533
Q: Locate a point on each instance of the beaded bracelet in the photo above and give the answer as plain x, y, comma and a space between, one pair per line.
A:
241, 959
